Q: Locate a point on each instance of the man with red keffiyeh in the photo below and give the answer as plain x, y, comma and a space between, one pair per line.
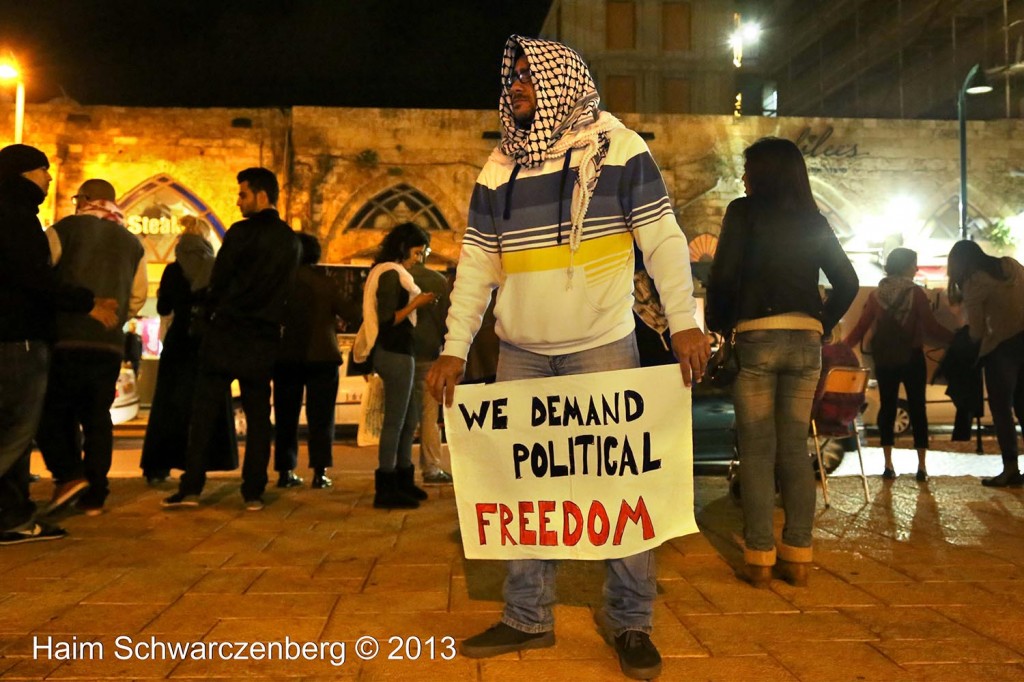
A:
91, 249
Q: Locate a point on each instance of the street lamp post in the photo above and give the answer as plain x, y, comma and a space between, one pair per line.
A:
9, 71
969, 88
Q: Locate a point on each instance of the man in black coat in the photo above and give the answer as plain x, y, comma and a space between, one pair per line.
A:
249, 287
30, 293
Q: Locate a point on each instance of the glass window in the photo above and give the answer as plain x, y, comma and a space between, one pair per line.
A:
676, 27
399, 204
620, 25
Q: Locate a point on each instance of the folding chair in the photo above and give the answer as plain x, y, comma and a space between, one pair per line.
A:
835, 416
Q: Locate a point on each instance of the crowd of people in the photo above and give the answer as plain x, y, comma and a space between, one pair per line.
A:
559, 214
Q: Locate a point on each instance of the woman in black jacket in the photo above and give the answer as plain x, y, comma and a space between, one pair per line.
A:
764, 284
307, 362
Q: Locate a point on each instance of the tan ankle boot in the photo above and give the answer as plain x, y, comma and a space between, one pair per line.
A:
757, 567
793, 564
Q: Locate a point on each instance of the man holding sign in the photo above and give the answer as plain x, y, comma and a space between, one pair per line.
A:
552, 224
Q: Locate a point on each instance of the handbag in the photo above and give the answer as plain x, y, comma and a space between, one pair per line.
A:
724, 364
371, 412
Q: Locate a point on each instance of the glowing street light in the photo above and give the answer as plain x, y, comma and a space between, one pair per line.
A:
9, 72
743, 34
974, 84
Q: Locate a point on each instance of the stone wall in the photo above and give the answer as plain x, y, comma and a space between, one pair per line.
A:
332, 161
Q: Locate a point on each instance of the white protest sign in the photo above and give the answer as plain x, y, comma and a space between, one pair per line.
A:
589, 466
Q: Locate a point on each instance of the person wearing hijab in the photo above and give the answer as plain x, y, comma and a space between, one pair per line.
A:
181, 294
553, 220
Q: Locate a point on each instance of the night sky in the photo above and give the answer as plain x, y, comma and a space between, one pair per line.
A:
200, 53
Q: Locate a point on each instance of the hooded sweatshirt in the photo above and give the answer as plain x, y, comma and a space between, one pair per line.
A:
553, 218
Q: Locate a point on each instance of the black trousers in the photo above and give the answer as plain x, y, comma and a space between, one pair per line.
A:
320, 383
1004, 380
913, 376
232, 352
76, 418
206, 409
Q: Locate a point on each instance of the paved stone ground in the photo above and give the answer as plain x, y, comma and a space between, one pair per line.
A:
921, 583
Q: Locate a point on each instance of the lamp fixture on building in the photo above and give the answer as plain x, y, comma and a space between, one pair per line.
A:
743, 34
974, 84
9, 71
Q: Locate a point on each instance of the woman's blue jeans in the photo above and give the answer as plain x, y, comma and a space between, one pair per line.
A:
401, 409
773, 393
630, 586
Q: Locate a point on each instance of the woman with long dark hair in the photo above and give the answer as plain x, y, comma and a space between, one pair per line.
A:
390, 300
897, 297
764, 286
992, 290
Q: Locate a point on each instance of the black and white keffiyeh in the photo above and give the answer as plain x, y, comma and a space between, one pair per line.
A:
566, 96
567, 117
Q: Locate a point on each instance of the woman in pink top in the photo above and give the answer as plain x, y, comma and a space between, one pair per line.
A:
897, 295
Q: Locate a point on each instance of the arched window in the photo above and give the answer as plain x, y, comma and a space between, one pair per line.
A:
399, 204
944, 222
153, 210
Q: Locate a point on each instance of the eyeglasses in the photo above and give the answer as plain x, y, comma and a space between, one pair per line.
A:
524, 77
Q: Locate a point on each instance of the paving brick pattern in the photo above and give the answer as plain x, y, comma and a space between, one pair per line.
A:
922, 583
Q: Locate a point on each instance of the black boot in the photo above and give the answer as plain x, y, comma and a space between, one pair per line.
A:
407, 483
387, 494
320, 479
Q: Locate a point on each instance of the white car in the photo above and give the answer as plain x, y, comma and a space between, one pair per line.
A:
938, 406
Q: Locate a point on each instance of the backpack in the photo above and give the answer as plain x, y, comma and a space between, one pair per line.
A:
892, 344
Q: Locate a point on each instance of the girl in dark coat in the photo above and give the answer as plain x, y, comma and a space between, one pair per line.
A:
764, 285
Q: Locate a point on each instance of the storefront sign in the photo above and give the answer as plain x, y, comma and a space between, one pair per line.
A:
142, 225
814, 145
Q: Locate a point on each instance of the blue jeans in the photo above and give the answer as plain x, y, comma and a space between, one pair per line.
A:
401, 409
773, 393
630, 586
24, 367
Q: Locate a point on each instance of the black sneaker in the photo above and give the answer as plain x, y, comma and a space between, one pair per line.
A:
180, 500
503, 639
638, 657
37, 532
288, 479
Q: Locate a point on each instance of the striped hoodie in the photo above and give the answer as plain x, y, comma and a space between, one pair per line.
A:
556, 296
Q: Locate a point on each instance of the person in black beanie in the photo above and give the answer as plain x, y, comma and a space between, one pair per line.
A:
30, 294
